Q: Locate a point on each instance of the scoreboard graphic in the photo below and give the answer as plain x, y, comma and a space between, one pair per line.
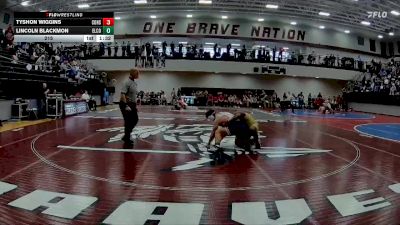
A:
64, 26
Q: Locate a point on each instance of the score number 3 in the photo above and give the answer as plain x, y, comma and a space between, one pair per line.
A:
108, 21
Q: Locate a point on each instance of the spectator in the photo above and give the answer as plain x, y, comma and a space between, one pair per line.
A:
164, 47
42, 112
116, 47
3, 42
300, 98
228, 49
392, 89
273, 54
172, 49
143, 54
173, 94
106, 96
123, 49
128, 49
109, 49
9, 36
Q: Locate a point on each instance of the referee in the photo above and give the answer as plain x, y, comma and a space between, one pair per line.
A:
128, 104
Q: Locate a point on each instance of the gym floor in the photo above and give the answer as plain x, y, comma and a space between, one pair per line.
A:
312, 169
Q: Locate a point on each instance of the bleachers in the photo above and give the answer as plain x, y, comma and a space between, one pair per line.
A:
17, 81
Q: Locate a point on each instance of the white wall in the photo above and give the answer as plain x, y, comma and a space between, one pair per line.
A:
226, 67
156, 81
391, 110
330, 37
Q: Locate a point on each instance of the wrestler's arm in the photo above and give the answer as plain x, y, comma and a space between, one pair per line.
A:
217, 123
212, 136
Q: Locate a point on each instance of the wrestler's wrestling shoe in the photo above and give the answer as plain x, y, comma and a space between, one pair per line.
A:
218, 148
214, 148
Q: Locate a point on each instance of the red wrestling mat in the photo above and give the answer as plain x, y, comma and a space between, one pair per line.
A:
76, 171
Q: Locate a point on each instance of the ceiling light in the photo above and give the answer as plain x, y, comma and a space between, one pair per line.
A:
140, 1
44, 10
285, 48
183, 42
321, 27
396, 13
205, 1
209, 43
25, 3
294, 23
156, 42
189, 15
224, 17
153, 16
270, 6
391, 33
317, 77
81, 6
260, 19
324, 14
347, 31
117, 18
235, 45
380, 36
366, 23
262, 46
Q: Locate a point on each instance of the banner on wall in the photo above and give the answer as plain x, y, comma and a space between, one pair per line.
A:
281, 70
238, 30
222, 30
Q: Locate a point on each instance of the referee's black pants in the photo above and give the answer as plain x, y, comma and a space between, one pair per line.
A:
131, 118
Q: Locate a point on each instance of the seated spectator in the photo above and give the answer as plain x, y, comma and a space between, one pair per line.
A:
210, 101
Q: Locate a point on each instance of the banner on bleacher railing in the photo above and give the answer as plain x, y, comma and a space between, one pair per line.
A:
270, 70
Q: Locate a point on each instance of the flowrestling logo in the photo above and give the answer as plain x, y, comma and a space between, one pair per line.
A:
377, 14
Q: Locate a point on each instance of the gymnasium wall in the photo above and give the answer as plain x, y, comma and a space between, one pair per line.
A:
390, 110
156, 81
331, 36
211, 66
